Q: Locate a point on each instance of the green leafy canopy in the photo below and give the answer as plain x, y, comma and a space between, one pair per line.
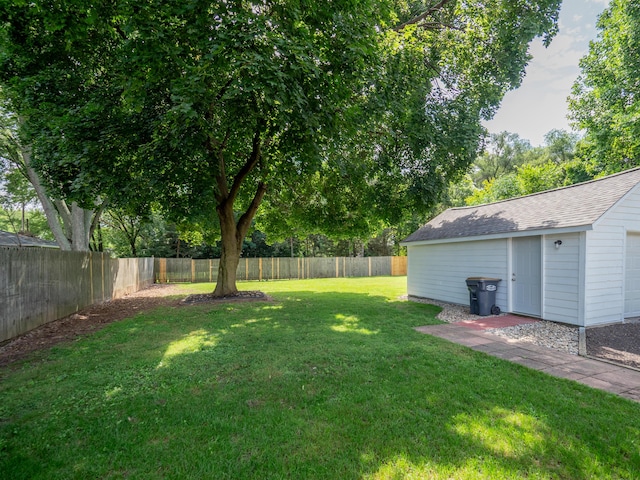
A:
347, 113
604, 99
119, 91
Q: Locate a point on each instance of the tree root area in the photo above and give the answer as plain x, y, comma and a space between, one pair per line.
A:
241, 296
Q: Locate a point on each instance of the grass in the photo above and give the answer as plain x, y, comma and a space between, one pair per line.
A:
327, 381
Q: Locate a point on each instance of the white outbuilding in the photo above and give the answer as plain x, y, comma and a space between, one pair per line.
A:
569, 255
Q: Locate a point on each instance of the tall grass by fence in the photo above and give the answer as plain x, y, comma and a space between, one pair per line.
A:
188, 270
38, 285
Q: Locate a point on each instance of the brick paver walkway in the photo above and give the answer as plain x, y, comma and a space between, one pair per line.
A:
595, 373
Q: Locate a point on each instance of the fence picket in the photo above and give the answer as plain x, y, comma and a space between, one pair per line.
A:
184, 270
38, 285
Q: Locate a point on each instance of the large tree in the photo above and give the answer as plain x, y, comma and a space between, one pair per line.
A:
352, 110
70, 223
605, 101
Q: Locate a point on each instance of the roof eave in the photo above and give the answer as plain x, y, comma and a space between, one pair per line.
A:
27, 245
496, 236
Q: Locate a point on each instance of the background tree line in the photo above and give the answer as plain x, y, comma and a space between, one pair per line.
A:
508, 167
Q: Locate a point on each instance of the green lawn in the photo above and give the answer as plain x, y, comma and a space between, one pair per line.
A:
327, 381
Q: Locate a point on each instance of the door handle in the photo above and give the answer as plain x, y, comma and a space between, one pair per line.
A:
513, 277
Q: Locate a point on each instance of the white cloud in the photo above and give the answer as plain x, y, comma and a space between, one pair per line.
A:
539, 105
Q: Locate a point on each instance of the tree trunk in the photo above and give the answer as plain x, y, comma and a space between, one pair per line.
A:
232, 232
74, 231
50, 211
226, 282
231, 251
96, 239
22, 229
233, 235
80, 228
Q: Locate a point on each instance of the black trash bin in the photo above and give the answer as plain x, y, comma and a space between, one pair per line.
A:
482, 295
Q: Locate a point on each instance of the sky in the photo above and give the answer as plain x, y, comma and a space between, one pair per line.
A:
540, 103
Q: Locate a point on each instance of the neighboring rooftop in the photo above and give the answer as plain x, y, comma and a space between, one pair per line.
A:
8, 239
568, 207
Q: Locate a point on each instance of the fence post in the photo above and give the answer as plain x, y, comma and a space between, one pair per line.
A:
369, 266
102, 271
260, 269
91, 275
162, 274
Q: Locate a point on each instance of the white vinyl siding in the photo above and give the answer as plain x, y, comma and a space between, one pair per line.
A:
604, 275
439, 271
605, 261
562, 279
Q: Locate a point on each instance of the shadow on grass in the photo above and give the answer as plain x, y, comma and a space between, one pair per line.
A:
313, 385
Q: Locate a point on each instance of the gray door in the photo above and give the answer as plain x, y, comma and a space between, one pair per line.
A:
526, 279
632, 276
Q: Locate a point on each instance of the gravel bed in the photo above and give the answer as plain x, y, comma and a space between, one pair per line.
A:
543, 333
546, 334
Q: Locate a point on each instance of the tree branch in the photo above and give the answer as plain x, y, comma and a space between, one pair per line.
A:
216, 148
245, 220
221, 179
48, 206
119, 31
252, 161
224, 89
439, 26
65, 215
96, 216
436, 8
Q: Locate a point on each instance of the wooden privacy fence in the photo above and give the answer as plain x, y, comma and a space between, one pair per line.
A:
189, 270
38, 285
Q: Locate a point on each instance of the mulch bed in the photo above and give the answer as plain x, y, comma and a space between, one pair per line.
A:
241, 296
95, 317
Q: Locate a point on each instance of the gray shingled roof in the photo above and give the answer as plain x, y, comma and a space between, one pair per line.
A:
8, 239
569, 207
